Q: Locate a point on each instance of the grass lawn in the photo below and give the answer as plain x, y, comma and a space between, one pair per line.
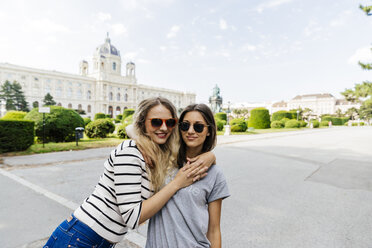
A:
84, 143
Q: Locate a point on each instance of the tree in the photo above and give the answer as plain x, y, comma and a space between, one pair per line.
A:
362, 92
13, 96
240, 112
352, 113
339, 113
48, 100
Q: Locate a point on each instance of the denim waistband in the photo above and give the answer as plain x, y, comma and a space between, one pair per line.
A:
87, 231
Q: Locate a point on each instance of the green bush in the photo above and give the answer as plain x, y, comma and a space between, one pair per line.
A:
324, 123
220, 124
121, 132
354, 124
99, 128
60, 123
86, 121
293, 114
16, 135
127, 112
259, 119
128, 119
279, 115
220, 116
99, 116
238, 122
292, 124
361, 123
119, 117
315, 123
14, 115
303, 123
327, 118
344, 120
277, 124
284, 120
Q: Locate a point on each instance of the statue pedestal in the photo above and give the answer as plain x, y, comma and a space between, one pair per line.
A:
227, 130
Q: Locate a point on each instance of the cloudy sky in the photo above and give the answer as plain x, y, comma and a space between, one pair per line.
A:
255, 50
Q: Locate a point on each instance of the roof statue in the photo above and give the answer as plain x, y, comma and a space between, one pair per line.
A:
216, 100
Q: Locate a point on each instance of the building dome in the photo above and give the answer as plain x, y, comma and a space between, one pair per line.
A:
107, 48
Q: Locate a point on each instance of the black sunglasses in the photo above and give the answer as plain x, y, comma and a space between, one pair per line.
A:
198, 127
157, 122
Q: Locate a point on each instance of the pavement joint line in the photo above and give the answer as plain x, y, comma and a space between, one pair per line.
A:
132, 236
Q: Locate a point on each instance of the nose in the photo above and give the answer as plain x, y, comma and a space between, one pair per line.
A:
163, 126
191, 129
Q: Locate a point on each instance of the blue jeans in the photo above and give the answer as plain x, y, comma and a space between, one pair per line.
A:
74, 233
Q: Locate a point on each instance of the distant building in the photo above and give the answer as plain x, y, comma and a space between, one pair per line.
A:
104, 89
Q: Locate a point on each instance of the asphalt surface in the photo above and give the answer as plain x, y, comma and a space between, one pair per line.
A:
295, 189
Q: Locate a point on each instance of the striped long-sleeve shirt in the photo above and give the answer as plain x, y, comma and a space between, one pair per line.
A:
115, 205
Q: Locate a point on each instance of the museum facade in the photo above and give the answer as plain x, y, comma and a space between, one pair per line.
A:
102, 90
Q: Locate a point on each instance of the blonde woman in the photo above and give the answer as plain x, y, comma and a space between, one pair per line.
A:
129, 192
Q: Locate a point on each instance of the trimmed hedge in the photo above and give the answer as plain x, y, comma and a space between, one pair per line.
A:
127, 112
260, 118
99, 116
284, 120
86, 121
121, 132
315, 123
277, 124
327, 118
220, 124
238, 122
14, 115
220, 116
16, 135
128, 119
303, 123
99, 128
292, 124
337, 121
60, 123
324, 123
279, 115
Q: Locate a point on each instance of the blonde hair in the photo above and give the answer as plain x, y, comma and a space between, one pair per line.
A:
163, 156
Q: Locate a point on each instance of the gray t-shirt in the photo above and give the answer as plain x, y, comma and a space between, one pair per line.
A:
183, 221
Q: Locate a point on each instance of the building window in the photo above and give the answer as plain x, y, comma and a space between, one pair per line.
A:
80, 107
59, 104
126, 97
89, 95
89, 109
118, 110
69, 92
59, 92
111, 96
69, 106
79, 93
110, 110
114, 66
118, 97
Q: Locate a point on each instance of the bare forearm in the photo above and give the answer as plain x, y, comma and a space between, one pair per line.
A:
152, 205
215, 238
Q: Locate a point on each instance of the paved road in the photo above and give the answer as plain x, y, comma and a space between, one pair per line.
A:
297, 189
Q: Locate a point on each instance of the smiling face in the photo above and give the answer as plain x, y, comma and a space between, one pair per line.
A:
160, 134
193, 139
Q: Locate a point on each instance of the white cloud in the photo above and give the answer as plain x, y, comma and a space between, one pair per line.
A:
341, 19
104, 16
223, 24
46, 26
223, 53
249, 47
163, 48
130, 55
312, 28
271, 4
118, 29
173, 31
363, 54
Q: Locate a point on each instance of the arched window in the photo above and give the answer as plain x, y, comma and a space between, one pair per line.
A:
59, 104
118, 110
118, 97
89, 109
80, 107
114, 66
69, 106
89, 95
110, 110
111, 96
126, 97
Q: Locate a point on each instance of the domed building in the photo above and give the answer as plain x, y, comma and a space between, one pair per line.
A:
103, 89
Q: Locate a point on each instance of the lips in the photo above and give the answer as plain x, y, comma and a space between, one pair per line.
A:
191, 138
161, 135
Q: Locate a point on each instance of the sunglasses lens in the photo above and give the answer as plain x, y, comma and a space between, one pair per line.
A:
170, 122
184, 126
156, 122
198, 127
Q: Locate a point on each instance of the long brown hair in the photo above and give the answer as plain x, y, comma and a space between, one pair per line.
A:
163, 156
210, 140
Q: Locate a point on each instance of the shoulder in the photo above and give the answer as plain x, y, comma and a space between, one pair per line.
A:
128, 148
216, 173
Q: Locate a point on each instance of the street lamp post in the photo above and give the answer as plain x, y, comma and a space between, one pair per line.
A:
227, 126
298, 111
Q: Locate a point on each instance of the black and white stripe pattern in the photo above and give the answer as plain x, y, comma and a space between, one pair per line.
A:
115, 205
